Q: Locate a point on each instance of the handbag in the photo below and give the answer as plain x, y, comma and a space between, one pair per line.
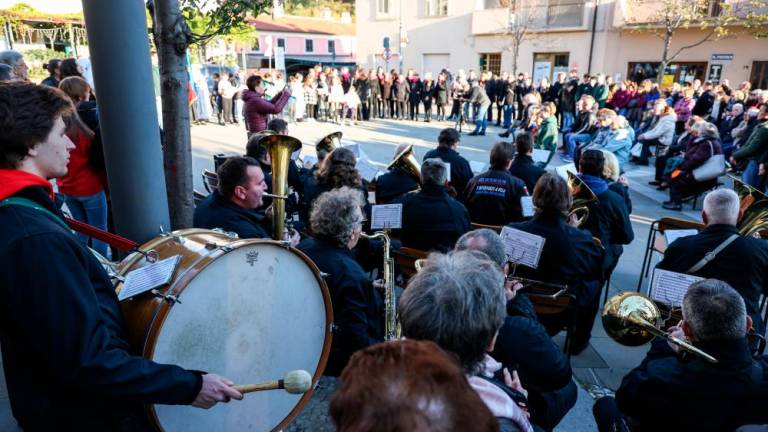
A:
713, 168
636, 150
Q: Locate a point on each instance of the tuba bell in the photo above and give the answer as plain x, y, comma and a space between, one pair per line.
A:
582, 195
754, 207
329, 143
280, 148
406, 161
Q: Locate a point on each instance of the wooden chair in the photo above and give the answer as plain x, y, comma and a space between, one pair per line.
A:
496, 228
210, 180
657, 243
557, 304
405, 261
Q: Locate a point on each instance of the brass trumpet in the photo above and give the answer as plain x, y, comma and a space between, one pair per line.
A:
280, 148
582, 195
633, 319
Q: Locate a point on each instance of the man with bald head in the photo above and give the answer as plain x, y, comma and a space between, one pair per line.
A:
395, 183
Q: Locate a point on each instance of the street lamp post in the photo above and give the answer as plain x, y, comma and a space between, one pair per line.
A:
403, 38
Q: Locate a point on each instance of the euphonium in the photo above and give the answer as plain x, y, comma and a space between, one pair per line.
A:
582, 195
406, 161
391, 328
280, 148
632, 319
329, 143
754, 207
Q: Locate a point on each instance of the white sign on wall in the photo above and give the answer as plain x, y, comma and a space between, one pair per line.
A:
541, 70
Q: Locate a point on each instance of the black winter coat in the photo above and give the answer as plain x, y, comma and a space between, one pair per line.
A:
215, 211
66, 357
609, 221
432, 220
357, 305
493, 198
461, 172
393, 184
526, 170
669, 394
742, 264
441, 93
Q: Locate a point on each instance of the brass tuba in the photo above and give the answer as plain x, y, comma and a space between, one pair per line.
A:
632, 319
754, 205
406, 161
582, 195
280, 148
329, 143
391, 327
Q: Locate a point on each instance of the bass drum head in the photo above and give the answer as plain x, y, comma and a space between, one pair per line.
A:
251, 315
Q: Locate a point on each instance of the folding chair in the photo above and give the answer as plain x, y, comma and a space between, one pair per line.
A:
657, 243
556, 303
210, 180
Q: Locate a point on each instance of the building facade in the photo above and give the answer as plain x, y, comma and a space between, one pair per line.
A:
598, 36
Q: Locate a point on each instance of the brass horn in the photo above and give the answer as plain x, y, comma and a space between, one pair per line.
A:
754, 207
582, 195
280, 148
632, 319
329, 143
406, 161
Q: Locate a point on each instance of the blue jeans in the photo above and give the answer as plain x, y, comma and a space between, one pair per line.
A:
482, 119
750, 175
508, 110
574, 140
567, 120
92, 210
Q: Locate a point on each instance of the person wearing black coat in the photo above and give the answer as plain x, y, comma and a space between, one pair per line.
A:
357, 305
670, 392
494, 197
401, 89
427, 95
741, 264
395, 183
441, 97
523, 167
432, 220
569, 257
461, 172
704, 102
416, 87
377, 109
522, 88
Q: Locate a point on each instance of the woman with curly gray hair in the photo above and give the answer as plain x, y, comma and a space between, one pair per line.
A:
337, 221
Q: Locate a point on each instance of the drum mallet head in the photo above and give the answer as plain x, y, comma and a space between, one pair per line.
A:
295, 382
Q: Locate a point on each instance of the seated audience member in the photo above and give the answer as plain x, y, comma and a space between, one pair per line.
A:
667, 392
472, 289
661, 134
337, 221
620, 140
731, 120
407, 385
608, 217
461, 172
523, 343
493, 197
432, 220
682, 183
583, 127
755, 146
523, 166
232, 206
669, 158
569, 256
741, 263
546, 136
395, 183
616, 181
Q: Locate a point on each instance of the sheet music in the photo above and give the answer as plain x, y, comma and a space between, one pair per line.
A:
522, 247
387, 216
526, 203
477, 166
448, 167
563, 170
671, 235
148, 277
541, 155
669, 287
366, 169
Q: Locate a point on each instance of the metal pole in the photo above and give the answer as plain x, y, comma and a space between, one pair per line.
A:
129, 125
592, 38
401, 38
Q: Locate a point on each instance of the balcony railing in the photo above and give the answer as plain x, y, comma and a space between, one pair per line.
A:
536, 14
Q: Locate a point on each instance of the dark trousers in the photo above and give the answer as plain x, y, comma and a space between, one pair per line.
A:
441, 111
661, 164
684, 185
427, 110
608, 416
456, 108
645, 153
390, 108
499, 112
401, 113
490, 113
376, 106
413, 109
548, 408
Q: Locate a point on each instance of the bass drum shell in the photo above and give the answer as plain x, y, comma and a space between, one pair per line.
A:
249, 310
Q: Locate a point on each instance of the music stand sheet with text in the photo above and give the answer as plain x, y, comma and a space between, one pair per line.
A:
387, 216
669, 287
522, 247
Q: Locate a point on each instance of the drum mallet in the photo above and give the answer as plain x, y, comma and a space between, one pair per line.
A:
296, 382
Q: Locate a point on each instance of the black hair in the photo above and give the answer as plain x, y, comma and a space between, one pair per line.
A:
233, 173
592, 162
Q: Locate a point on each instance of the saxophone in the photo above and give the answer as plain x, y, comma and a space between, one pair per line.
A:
391, 326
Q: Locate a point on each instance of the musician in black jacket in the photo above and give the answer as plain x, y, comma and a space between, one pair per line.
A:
446, 150
742, 264
67, 361
337, 222
493, 197
523, 166
395, 183
670, 393
608, 217
523, 344
432, 220
569, 256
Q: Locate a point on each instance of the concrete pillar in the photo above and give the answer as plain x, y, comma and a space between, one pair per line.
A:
122, 73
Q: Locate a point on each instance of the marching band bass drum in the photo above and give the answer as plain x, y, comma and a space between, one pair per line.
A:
250, 310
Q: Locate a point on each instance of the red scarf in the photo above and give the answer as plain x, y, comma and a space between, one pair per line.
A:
12, 181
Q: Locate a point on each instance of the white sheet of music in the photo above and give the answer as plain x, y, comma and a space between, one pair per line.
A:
526, 203
671, 235
448, 168
541, 155
477, 166
387, 216
522, 247
148, 277
669, 287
